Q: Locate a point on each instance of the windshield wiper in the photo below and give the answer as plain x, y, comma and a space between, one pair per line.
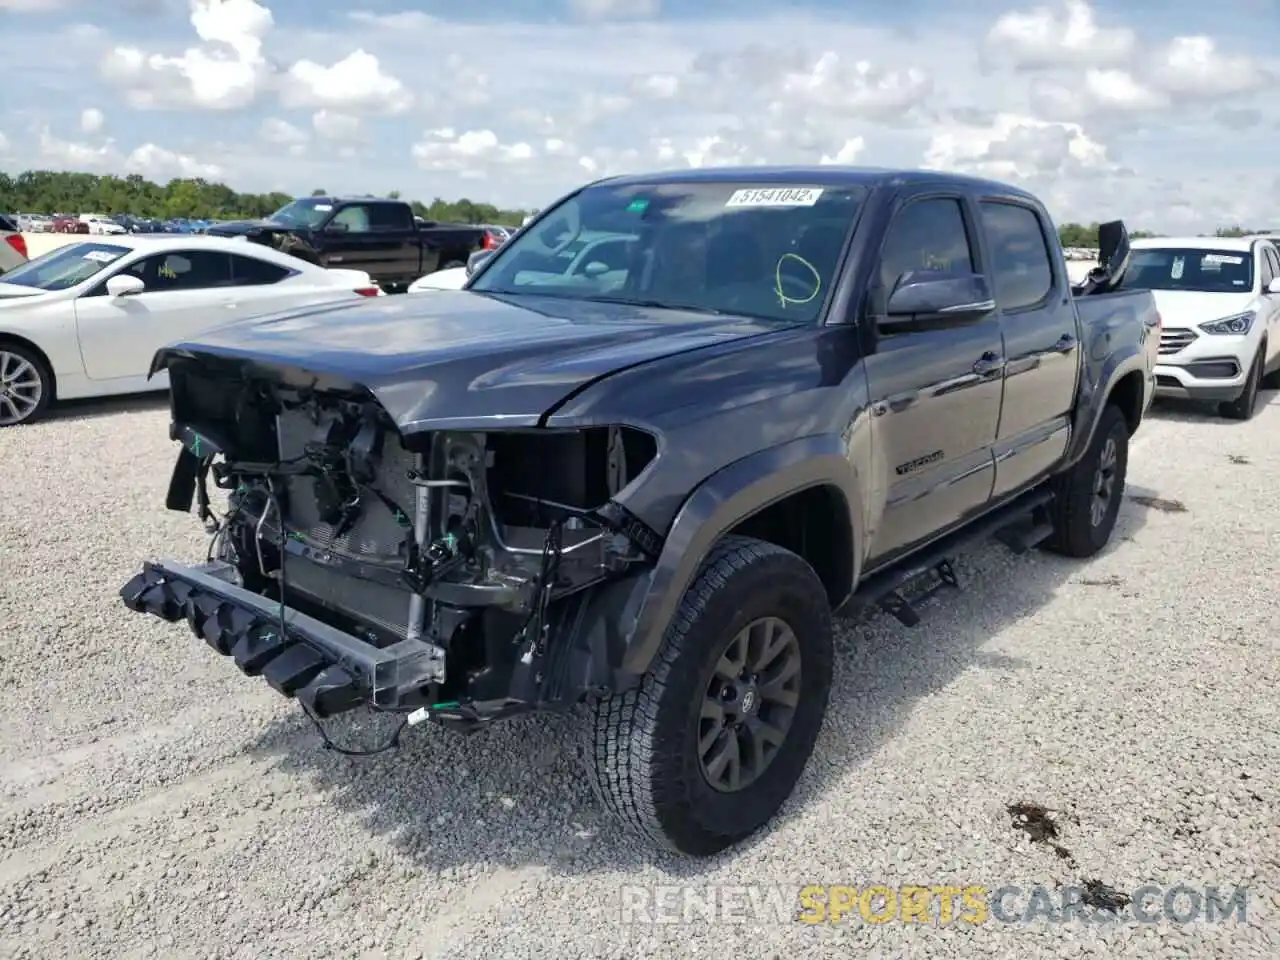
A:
656, 305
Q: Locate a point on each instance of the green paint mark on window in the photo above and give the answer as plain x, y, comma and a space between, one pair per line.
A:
638, 205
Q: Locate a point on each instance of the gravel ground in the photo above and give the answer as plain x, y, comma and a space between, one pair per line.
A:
154, 802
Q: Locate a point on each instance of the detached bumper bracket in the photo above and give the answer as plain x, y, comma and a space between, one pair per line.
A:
328, 670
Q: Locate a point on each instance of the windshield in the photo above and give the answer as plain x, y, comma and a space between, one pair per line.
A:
1189, 268
64, 267
303, 213
768, 251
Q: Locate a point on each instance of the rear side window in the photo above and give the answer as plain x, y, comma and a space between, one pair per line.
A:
927, 235
1021, 264
390, 216
252, 272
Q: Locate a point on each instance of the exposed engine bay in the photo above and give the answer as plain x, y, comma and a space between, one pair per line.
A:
453, 548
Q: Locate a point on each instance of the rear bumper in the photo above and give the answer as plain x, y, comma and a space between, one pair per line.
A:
328, 670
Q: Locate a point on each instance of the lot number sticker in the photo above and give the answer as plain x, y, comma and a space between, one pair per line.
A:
775, 197
1222, 258
100, 256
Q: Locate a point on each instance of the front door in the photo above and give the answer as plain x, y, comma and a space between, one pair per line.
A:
186, 291
379, 238
1040, 341
935, 395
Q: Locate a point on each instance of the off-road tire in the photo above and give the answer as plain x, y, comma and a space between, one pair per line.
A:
641, 746
1243, 406
1074, 532
46, 382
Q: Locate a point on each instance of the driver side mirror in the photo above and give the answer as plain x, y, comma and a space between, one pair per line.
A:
931, 301
124, 285
476, 260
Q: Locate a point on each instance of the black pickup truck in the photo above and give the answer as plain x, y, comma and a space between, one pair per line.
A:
379, 236
635, 466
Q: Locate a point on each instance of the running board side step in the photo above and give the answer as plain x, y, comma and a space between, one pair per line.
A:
1020, 525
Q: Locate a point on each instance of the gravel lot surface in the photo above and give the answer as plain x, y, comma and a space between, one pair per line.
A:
154, 802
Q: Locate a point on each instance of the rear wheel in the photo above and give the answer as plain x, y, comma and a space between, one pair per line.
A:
1086, 499
26, 385
1243, 406
711, 744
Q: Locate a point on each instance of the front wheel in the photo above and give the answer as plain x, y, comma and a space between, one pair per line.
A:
1086, 498
711, 744
1243, 406
26, 385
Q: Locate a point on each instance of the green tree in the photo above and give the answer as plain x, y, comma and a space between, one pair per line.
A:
49, 191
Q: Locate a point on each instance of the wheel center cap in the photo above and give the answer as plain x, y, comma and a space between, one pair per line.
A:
749, 701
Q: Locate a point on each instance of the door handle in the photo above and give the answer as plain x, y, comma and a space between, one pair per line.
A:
988, 364
1065, 344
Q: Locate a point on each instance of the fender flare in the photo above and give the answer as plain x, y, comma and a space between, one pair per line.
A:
1095, 395
714, 507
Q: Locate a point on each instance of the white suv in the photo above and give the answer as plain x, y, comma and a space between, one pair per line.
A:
1219, 298
13, 246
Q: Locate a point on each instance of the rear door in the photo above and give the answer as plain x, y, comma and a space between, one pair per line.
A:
186, 291
1038, 321
1270, 270
935, 395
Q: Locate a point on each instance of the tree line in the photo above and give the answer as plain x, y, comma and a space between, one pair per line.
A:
50, 191
55, 191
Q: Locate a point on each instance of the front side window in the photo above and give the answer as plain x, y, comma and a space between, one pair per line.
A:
762, 250
182, 270
355, 218
66, 267
1020, 260
1193, 269
926, 236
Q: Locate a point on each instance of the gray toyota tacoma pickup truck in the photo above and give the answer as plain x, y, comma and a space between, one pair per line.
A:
635, 466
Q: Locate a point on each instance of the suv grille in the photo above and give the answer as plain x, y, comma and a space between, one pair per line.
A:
1173, 339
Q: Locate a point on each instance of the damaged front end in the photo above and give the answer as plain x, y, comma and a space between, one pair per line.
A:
458, 575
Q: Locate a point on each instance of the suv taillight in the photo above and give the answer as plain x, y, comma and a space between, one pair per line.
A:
19, 243
367, 291
491, 242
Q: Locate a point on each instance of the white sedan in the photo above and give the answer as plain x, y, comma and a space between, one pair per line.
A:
85, 320
450, 279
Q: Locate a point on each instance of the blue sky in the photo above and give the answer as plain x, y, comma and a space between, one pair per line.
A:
1158, 112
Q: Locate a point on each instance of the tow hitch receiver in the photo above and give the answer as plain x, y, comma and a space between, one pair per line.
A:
329, 671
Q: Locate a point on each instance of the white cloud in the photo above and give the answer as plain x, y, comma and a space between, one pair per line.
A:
472, 153
150, 160
5, 146
1066, 36
848, 153
356, 83
1192, 67
339, 127
225, 73
92, 120
281, 133
1019, 148
1100, 112
616, 9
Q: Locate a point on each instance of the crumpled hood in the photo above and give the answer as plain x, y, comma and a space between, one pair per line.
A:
460, 360
235, 228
